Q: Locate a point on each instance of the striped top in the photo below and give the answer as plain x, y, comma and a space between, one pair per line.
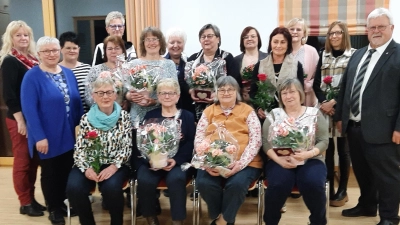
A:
81, 71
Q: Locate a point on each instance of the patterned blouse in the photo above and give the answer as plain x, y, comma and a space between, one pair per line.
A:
94, 72
251, 149
117, 143
163, 68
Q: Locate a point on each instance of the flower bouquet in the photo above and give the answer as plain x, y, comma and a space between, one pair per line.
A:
330, 91
290, 135
265, 96
218, 150
159, 140
247, 75
93, 151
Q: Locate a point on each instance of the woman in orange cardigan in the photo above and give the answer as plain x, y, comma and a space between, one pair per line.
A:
225, 195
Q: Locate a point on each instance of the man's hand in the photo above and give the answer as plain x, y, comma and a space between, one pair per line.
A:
396, 137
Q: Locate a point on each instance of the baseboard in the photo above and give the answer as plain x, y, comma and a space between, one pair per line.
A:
6, 161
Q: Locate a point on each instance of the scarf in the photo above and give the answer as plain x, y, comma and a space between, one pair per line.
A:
102, 121
288, 70
28, 62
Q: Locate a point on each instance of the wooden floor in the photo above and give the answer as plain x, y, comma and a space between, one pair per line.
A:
296, 214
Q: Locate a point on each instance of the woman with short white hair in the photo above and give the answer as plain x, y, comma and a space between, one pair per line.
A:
52, 108
115, 25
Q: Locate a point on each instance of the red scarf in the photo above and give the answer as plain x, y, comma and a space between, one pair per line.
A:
28, 62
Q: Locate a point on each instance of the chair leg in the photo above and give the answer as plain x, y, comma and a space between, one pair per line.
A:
194, 203
66, 202
260, 204
327, 201
133, 186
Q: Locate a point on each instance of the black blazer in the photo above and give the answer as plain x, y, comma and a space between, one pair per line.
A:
239, 58
381, 97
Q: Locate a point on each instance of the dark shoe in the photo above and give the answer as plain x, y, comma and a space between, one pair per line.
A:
339, 199
213, 222
57, 218
166, 194
30, 210
64, 211
386, 222
38, 206
295, 195
358, 211
152, 220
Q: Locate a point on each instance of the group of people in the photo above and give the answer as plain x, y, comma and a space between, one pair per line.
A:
48, 97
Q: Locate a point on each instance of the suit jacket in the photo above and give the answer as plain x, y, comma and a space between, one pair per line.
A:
381, 97
239, 58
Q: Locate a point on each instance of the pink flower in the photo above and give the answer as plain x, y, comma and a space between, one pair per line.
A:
291, 120
201, 69
156, 141
282, 132
216, 152
202, 148
231, 149
105, 74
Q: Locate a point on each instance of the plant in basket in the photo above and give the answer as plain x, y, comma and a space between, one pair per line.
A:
202, 81
140, 80
330, 91
247, 75
159, 141
265, 96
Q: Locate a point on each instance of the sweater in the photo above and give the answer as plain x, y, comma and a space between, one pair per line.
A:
43, 107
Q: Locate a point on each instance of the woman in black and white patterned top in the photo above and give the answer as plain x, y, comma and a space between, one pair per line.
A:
69, 43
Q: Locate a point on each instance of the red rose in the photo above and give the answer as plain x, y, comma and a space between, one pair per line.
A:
328, 80
262, 77
91, 135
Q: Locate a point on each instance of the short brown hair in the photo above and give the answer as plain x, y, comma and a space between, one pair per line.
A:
156, 32
245, 31
286, 34
286, 84
346, 44
116, 40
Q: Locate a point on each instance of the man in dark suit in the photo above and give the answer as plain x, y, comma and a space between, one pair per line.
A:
368, 111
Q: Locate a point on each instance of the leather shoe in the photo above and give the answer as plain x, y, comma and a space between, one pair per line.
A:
38, 206
57, 218
339, 199
385, 222
30, 210
358, 211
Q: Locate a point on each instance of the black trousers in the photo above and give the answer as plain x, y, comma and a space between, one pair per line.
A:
377, 170
54, 177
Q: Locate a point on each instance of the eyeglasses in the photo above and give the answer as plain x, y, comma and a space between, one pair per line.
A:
164, 94
115, 49
72, 49
116, 26
226, 91
379, 28
335, 33
208, 36
101, 93
151, 40
249, 36
48, 52
295, 29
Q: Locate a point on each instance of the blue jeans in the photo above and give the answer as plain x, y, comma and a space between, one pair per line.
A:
79, 187
225, 195
147, 190
310, 179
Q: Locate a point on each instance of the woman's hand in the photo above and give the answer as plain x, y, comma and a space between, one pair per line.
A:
205, 100
303, 155
234, 167
42, 146
91, 175
261, 113
107, 172
213, 172
170, 165
21, 127
327, 107
285, 162
134, 96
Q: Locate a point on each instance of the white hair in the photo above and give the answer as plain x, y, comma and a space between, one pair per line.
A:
380, 12
114, 15
46, 40
176, 32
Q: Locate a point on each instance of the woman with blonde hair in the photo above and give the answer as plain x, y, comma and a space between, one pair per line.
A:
17, 56
306, 55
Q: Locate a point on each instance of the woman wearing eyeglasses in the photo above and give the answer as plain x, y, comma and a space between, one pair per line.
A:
113, 128
306, 55
115, 25
333, 63
168, 93
250, 44
113, 47
219, 61
52, 108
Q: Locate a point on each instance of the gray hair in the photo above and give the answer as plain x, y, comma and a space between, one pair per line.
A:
46, 40
286, 84
114, 15
212, 27
169, 83
228, 81
103, 81
380, 12
176, 32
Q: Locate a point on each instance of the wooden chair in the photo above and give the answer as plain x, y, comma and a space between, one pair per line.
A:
162, 185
